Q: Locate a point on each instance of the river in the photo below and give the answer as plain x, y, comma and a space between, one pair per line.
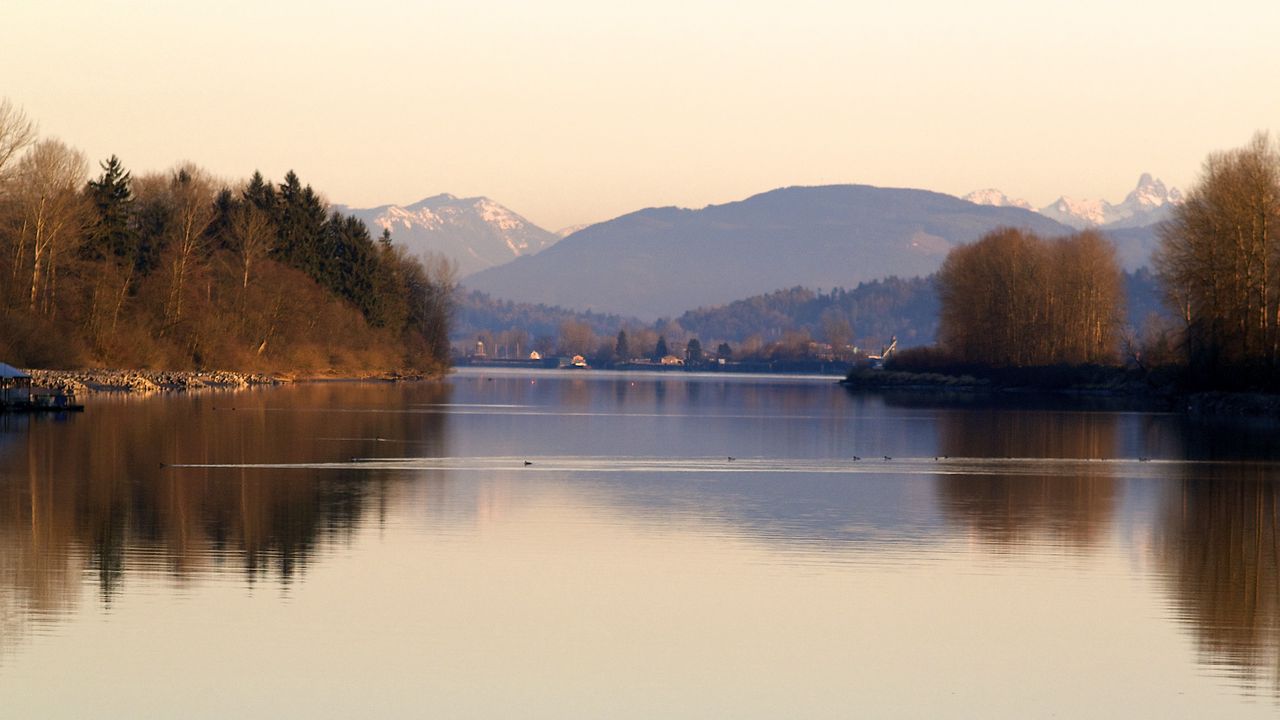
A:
588, 544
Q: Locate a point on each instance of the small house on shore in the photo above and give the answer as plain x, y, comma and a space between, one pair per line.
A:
15, 385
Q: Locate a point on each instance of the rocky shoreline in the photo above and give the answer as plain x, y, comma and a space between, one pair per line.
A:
102, 380
83, 382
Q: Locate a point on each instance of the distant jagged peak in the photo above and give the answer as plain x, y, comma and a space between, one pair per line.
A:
1151, 193
1147, 203
995, 198
1078, 213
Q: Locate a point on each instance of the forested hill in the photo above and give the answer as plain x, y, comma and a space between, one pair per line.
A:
867, 316
477, 314
177, 270
870, 314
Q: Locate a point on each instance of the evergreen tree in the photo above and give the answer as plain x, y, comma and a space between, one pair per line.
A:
300, 225
225, 206
724, 351
620, 348
262, 195
693, 351
111, 232
661, 351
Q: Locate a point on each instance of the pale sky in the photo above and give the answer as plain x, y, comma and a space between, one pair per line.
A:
572, 111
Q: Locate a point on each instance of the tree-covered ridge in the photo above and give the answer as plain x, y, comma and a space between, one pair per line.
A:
868, 315
178, 270
477, 313
793, 324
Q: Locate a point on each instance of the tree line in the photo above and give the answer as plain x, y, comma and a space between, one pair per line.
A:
792, 324
1219, 264
1015, 299
178, 269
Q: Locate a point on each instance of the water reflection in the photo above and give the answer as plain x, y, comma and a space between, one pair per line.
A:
93, 493
89, 503
1218, 546
1010, 510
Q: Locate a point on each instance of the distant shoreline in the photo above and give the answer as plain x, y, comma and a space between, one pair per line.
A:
1085, 382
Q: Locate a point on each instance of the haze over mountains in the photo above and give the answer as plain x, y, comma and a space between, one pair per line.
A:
476, 232
663, 261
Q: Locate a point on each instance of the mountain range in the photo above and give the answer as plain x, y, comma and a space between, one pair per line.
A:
1147, 204
475, 232
663, 261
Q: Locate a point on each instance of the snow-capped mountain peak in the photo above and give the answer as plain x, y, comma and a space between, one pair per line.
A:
1150, 193
475, 232
995, 198
1076, 213
1148, 203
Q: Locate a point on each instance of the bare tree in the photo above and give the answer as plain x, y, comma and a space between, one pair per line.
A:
191, 192
1013, 298
576, 338
252, 233
48, 181
431, 286
16, 133
1218, 255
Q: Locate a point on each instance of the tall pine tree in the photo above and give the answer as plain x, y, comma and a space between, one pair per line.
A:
111, 233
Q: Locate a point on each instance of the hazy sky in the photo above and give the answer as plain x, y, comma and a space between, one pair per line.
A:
573, 111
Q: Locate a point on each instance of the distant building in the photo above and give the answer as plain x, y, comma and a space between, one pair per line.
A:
672, 360
535, 355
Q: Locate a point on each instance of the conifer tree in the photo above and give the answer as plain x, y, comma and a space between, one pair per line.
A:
660, 350
693, 351
110, 232
620, 348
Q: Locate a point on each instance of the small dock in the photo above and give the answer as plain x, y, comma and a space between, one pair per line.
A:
18, 395
65, 403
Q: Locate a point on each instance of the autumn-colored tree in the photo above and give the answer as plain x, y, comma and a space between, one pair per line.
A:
177, 270
1013, 298
1217, 260
576, 338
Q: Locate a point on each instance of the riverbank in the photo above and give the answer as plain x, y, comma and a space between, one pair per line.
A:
1154, 389
103, 380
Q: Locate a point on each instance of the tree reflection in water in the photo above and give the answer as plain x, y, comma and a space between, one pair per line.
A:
1218, 547
1010, 509
93, 492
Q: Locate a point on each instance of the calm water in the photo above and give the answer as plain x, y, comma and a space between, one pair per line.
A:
368, 550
